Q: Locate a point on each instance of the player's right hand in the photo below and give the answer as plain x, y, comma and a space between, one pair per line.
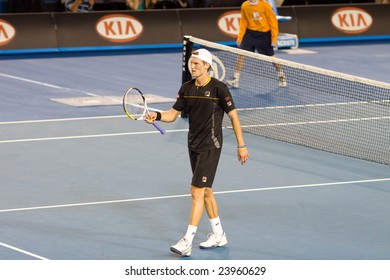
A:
150, 117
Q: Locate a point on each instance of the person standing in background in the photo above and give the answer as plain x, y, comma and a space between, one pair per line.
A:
258, 32
79, 6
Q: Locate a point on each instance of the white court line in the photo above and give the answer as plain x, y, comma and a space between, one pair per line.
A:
186, 195
317, 122
22, 251
44, 84
63, 120
170, 197
70, 119
77, 136
315, 105
88, 136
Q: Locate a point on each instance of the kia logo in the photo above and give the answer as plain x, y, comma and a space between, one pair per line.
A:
7, 32
351, 20
119, 28
229, 23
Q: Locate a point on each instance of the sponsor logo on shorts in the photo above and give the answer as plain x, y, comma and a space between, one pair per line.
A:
204, 179
351, 20
119, 28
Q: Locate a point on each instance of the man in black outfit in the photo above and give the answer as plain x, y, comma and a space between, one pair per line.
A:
205, 100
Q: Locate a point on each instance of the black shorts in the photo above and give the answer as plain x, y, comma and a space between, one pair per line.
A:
204, 167
257, 41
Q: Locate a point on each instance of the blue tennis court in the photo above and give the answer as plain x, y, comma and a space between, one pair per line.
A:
86, 183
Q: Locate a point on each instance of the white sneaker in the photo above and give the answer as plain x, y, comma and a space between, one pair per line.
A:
233, 83
183, 248
282, 81
214, 240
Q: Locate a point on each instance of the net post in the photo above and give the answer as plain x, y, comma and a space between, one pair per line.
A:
186, 75
187, 50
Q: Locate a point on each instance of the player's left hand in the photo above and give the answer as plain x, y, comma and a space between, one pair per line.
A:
242, 155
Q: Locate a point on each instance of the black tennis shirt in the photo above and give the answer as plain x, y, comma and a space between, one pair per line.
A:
205, 106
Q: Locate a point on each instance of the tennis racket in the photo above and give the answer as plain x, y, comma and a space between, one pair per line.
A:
135, 106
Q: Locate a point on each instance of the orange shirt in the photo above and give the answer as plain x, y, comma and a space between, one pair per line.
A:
260, 17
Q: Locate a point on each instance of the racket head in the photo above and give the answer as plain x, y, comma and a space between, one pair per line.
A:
134, 104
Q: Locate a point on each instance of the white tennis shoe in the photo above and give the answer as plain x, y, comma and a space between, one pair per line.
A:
214, 240
282, 81
183, 248
233, 83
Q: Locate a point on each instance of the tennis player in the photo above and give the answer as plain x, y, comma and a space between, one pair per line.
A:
258, 32
205, 100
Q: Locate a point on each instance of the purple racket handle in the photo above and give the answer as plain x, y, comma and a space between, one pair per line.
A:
159, 128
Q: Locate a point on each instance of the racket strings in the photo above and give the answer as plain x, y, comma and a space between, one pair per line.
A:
134, 104
135, 107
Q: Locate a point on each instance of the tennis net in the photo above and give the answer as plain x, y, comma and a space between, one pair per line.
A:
317, 108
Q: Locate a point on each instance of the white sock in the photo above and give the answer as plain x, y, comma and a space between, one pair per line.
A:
190, 234
236, 76
216, 225
280, 72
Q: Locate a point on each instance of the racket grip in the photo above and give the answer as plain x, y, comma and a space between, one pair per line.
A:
159, 128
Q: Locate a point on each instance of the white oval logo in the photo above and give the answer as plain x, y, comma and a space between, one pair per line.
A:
119, 28
351, 20
7, 32
229, 23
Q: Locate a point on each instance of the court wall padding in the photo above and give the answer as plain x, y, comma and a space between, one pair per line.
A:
100, 30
